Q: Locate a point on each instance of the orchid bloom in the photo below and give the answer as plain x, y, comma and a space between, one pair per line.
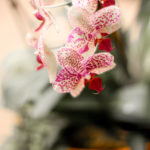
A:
44, 56
90, 27
76, 70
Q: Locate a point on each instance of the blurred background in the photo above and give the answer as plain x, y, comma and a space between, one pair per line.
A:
34, 117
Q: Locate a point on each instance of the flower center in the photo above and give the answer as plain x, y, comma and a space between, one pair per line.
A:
88, 77
98, 36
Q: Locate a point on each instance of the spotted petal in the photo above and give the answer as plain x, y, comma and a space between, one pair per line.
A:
78, 89
81, 41
90, 5
67, 80
70, 58
100, 63
91, 49
106, 20
80, 17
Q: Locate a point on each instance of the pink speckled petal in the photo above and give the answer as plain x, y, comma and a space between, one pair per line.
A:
100, 63
80, 17
78, 89
78, 39
70, 58
81, 41
107, 20
90, 5
67, 80
91, 49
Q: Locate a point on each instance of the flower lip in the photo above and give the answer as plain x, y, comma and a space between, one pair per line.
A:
88, 76
96, 84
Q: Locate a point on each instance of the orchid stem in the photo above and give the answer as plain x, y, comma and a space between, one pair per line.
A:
57, 5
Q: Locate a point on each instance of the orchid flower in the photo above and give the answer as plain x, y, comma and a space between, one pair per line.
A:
92, 27
76, 70
45, 57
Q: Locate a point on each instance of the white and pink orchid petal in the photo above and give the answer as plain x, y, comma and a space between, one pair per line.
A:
90, 5
40, 49
31, 40
67, 80
40, 45
78, 39
100, 63
81, 41
78, 89
50, 64
70, 58
90, 50
80, 17
107, 20
48, 59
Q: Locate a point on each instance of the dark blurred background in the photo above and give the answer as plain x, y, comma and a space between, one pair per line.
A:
34, 117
